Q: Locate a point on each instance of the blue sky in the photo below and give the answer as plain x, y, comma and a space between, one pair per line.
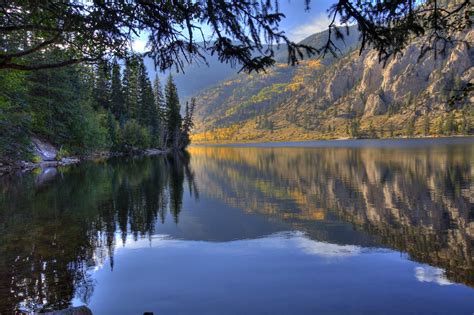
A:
298, 23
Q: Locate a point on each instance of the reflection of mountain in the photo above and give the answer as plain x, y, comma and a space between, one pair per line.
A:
50, 235
55, 226
417, 201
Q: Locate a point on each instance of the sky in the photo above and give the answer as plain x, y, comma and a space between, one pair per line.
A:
298, 23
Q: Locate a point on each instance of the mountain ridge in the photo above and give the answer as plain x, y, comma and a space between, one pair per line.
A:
353, 96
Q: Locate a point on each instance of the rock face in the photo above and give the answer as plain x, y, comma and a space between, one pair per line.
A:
44, 150
306, 100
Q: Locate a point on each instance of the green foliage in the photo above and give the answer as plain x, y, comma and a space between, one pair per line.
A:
354, 128
117, 104
265, 123
426, 125
85, 109
61, 109
14, 118
450, 125
173, 115
62, 153
36, 159
134, 136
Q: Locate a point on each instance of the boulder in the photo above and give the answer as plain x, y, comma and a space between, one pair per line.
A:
43, 149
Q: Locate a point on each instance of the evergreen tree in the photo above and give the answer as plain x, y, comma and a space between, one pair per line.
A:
354, 128
188, 123
391, 130
173, 115
101, 92
465, 125
157, 130
61, 110
146, 101
411, 127
117, 103
130, 89
426, 125
450, 126
112, 130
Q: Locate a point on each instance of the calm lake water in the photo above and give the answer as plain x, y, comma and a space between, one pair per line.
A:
309, 228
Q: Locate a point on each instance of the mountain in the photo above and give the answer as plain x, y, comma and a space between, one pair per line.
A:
353, 95
198, 76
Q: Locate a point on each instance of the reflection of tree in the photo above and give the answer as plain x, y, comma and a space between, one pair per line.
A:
413, 200
49, 237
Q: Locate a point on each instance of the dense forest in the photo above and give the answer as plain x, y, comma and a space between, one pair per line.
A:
106, 106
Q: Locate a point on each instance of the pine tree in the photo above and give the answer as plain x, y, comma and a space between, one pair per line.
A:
450, 126
117, 102
173, 116
157, 129
112, 130
411, 127
146, 101
101, 91
426, 126
465, 126
188, 123
130, 89
159, 98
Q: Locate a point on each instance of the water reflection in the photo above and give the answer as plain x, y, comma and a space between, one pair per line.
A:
417, 200
334, 201
54, 230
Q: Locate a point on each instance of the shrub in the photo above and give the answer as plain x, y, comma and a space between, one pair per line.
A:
134, 136
36, 159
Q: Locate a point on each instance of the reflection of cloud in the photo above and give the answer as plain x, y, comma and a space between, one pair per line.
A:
319, 24
279, 241
326, 249
431, 274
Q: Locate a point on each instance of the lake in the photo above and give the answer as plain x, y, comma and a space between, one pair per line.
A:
341, 227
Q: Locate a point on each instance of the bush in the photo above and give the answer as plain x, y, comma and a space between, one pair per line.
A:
62, 153
134, 136
36, 159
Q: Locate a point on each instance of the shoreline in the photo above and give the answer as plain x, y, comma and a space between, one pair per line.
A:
27, 166
323, 142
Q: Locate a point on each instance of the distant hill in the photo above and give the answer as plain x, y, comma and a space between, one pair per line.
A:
196, 76
353, 95
200, 76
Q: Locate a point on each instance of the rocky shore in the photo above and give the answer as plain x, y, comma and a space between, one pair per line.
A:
47, 156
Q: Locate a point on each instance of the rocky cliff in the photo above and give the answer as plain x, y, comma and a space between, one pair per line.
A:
353, 95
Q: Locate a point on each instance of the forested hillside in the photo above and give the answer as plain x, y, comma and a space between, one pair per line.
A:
106, 106
352, 96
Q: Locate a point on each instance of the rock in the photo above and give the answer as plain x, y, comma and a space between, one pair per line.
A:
81, 310
153, 151
69, 161
374, 106
46, 151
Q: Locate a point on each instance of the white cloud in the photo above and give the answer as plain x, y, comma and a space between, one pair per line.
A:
318, 24
283, 240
